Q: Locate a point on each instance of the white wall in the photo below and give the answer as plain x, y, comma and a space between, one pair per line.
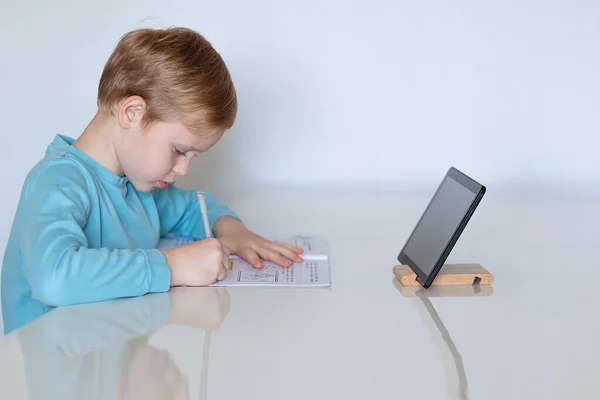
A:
373, 91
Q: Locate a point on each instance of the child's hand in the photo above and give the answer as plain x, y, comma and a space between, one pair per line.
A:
238, 240
197, 264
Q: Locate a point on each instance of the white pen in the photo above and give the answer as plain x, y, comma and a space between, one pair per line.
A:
204, 212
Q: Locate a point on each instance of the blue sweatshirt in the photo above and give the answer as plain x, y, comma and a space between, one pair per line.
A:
83, 234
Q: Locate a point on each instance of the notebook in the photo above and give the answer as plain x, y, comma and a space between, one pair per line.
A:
312, 272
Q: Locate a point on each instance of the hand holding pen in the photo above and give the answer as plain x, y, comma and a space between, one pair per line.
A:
198, 263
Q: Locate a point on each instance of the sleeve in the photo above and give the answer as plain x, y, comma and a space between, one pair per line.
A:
57, 262
179, 212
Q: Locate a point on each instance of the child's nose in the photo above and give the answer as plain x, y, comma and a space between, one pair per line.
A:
181, 168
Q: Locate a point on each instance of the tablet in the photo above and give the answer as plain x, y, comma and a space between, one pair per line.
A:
441, 224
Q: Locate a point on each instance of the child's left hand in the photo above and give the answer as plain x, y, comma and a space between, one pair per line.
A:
238, 240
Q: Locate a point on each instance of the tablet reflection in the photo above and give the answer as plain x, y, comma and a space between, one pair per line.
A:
104, 350
451, 356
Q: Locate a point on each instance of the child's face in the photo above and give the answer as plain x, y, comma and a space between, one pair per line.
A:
156, 157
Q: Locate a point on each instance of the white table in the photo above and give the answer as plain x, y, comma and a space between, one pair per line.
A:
534, 335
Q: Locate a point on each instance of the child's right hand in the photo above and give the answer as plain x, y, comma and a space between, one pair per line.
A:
197, 264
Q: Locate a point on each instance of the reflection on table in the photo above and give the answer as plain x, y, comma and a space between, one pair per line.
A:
453, 362
105, 350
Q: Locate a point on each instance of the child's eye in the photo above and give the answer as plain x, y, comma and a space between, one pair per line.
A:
177, 151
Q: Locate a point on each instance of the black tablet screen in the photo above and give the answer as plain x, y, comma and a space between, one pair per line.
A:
438, 223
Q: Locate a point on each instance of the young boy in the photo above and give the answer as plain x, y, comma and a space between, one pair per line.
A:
91, 212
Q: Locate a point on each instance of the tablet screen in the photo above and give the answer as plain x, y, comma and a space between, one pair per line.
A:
438, 223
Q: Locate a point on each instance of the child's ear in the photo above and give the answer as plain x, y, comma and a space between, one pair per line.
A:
131, 111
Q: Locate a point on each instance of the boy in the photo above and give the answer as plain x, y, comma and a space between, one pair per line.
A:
92, 211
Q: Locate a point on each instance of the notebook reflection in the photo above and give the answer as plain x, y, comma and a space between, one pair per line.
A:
105, 350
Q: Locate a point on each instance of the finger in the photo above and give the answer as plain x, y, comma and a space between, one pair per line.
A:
222, 274
275, 257
286, 252
225, 254
295, 249
252, 257
224, 267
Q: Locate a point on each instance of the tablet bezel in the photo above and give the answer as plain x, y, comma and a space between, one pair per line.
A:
473, 186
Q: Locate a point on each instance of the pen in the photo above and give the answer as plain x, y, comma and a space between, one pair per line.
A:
204, 212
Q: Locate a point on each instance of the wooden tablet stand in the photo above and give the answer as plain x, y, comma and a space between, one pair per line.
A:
443, 290
450, 274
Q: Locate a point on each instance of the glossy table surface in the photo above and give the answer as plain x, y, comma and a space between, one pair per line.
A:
534, 333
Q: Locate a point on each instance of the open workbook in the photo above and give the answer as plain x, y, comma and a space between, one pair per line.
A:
312, 271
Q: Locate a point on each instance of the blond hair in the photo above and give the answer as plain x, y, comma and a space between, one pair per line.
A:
177, 72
